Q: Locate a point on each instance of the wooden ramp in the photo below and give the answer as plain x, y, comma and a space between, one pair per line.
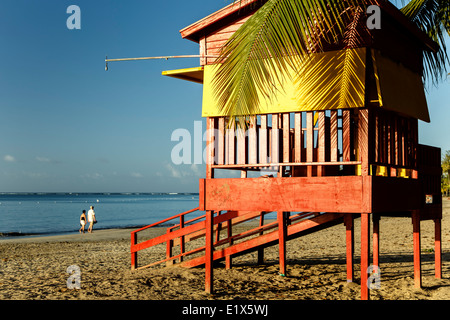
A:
185, 240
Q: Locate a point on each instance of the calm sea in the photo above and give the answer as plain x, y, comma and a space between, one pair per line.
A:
24, 214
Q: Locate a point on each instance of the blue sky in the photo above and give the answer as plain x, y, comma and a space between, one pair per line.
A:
66, 125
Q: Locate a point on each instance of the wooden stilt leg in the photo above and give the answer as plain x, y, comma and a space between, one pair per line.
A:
437, 249
134, 260
261, 250
209, 252
365, 253
349, 234
282, 241
416, 238
376, 240
228, 259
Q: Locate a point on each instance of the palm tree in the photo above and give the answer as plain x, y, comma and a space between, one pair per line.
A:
288, 31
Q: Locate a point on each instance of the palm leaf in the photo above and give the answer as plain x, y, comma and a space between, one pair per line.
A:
433, 17
262, 47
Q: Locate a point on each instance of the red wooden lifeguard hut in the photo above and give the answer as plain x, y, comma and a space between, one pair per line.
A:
332, 162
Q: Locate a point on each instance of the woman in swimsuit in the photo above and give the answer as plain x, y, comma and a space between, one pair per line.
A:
82, 221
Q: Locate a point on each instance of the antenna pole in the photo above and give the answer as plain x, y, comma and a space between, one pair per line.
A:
156, 58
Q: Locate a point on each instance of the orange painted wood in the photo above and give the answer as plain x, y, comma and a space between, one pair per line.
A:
296, 194
209, 249
209, 147
134, 260
395, 194
349, 240
437, 249
252, 142
169, 247
230, 146
334, 136
298, 137
417, 258
203, 52
346, 138
241, 146
286, 138
263, 132
321, 143
221, 141
376, 239
221, 15
270, 238
261, 250
309, 140
282, 241
363, 140
365, 254
275, 141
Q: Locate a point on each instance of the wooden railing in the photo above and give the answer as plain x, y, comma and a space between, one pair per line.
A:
316, 143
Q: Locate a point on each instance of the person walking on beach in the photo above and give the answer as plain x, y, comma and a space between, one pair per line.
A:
91, 219
82, 221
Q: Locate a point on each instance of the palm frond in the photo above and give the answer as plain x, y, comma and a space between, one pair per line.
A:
262, 47
433, 17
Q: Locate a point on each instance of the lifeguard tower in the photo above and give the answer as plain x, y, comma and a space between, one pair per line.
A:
333, 158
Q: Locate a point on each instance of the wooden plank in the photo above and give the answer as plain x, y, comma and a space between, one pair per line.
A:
321, 142
365, 254
230, 146
298, 137
252, 142
203, 51
334, 136
221, 141
417, 258
241, 146
363, 140
310, 136
209, 249
349, 240
346, 138
275, 143
394, 194
209, 147
282, 241
295, 194
134, 261
437, 249
376, 239
309, 140
263, 132
286, 137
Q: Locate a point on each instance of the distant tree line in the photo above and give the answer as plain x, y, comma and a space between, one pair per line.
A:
445, 178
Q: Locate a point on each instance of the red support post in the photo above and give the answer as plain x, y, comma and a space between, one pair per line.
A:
133, 254
376, 240
228, 259
365, 254
181, 238
169, 247
349, 235
261, 250
282, 241
209, 248
416, 238
437, 249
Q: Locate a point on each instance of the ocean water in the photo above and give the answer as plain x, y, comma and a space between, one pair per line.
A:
25, 214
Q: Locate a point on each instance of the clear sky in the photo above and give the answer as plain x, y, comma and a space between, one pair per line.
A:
66, 125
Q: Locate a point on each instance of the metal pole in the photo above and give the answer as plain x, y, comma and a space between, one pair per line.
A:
157, 58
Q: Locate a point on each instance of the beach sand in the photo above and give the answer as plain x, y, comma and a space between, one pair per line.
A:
36, 268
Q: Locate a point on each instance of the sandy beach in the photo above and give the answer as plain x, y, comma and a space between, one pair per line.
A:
36, 268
